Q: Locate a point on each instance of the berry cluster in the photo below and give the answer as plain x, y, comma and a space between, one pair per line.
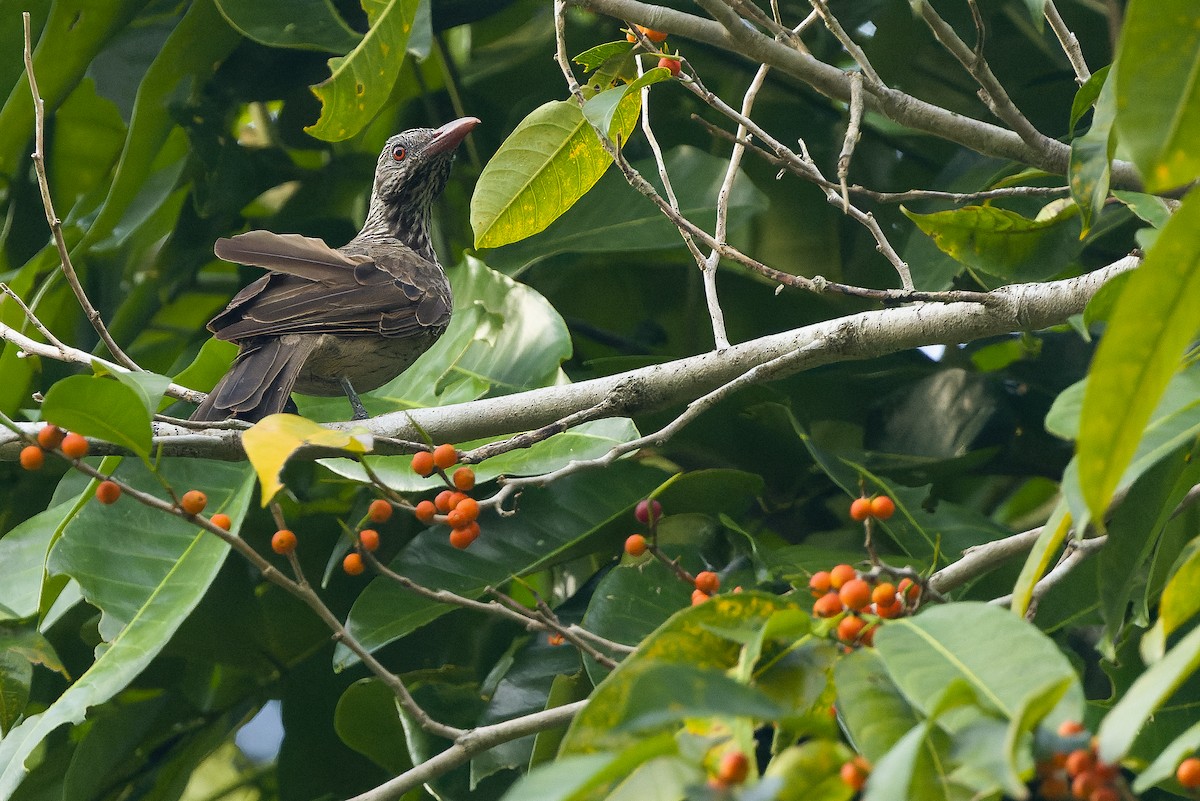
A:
705, 584
881, 507
52, 438
453, 506
668, 62
844, 590
1078, 774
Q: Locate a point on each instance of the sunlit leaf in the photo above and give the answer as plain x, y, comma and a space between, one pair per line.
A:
273, 440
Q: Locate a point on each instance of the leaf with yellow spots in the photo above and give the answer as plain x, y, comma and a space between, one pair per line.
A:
273, 440
361, 81
548, 162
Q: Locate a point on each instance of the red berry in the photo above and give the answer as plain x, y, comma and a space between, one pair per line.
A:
909, 590
283, 542
108, 492
852, 776
422, 463
1188, 773
884, 594
353, 564
699, 597
425, 511
468, 508
368, 538
74, 446
445, 456
464, 479
647, 510
1054, 788
636, 545
456, 498
464, 536
840, 575
828, 605
1080, 761
50, 437
193, 502
860, 509
672, 65
221, 520
855, 594
849, 628
1069, 728
32, 457
733, 768
380, 511
442, 501
819, 583
456, 519
882, 507
1084, 784
1104, 793
893, 610
708, 582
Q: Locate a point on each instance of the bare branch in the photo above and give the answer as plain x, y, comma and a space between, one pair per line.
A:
1070, 44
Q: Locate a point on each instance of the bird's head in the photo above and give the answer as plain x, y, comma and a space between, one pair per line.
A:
412, 171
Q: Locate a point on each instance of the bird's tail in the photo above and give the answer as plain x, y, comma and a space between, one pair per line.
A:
258, 383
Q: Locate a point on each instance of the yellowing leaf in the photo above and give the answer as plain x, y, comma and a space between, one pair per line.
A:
273, 440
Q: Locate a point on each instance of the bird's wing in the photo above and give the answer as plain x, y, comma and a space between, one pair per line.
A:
380, 290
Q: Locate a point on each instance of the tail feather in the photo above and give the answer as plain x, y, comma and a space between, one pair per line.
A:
259, 381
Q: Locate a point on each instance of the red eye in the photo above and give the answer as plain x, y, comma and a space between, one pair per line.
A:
398, 153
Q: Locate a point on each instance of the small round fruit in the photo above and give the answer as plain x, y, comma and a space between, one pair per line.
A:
646, 511
1188, 773
445, 456
828, 605
672, 65
849, 628
860, 509
554, 638
840, 575
50, 437
708, 582
909, 590
283, 542
1084, 784
422, 463
889, 611
652, 35
456, 498
882, 507
1080, 761
1069, 728
636, 545
442, 501
425, 511
1104, 793
884, 594
193, 502
468, 508
353, 564
368, 538
380, 511
1054, 788
699, 597
464, 479
221, 520
462, 537
733, 768
108, 492
852, 776
819, 583
32, 457
74, 446
855, 594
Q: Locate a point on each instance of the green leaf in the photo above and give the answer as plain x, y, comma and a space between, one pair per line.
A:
1153, 322
545, 165
809, 772
16, 675
594, 57
1054, 533
1163, 767
367, 720
149, 387
1158, 96
100, 407
1179, 603
666, 693
872, 707
1085, 98
1037, 12
271, 441
1090, 164
601, 109
1003, 243
1151, 208
1146, 695
912, 770
361, 81
23, 551
574, 778
303, 24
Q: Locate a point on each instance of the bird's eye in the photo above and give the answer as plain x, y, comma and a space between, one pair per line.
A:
398, 153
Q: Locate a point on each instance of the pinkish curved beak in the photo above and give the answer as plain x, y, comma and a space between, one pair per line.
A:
450, 135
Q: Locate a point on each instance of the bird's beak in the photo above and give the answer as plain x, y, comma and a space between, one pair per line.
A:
448, 137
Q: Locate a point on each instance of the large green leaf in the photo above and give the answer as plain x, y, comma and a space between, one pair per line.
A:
305, 24
23, 551
146, 575
1091, 158
874, 710
1153, 322
549, 161
1158, 94
362, 80
1180, 601
100, 407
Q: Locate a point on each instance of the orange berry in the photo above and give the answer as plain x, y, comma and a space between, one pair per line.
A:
652, 35
353, 564
884, 594
1084, 784
909, 589
380, 511
32, 457
708, 582
468, 507
819, 583
464, 536
1188, 773
50, 437
849, 628
193, 502
860, 509
889, 611
425, 511
855, 594
1104, 793
464, 479
422, 463
882, 507
74, 446
672, 65
456, 498
636, 545
1105, 772
1054, 788
108, 492
442, 501
554, 638
221, 520
368, 538
699, 597
1080, 761
283, 542
828, 605
1069, 728
445, 456
733, 768
840, 575
852, 776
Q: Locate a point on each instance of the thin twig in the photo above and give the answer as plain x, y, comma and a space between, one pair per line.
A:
33, 320
851, 47
853, 126
1070, 44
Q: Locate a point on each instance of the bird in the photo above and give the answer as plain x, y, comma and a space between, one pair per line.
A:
327, 321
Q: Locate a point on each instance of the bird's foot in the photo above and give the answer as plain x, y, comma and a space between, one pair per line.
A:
360, 411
